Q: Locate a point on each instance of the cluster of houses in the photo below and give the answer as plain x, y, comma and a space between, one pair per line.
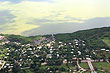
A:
27, 52
3, 40
105, 50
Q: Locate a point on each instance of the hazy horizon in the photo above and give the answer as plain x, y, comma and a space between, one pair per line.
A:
36, 17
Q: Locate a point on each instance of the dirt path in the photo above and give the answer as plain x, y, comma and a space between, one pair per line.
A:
80, 68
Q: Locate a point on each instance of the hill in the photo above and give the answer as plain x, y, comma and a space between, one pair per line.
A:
39, 54
95, 38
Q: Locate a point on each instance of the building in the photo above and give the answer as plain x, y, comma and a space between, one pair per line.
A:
1, 37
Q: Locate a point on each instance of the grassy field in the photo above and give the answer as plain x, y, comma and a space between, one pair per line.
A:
102, 66
87, 72
84, 65
63, 65
107, 41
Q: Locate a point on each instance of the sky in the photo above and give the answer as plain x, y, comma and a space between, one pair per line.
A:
37, 17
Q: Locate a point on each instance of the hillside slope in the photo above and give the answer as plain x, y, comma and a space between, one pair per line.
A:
94, 37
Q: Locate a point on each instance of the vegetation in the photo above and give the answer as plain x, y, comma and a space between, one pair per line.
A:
92, 36
56, 54
102, 66
107, 41
84, 65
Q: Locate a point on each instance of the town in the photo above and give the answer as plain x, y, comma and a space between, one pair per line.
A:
48, 56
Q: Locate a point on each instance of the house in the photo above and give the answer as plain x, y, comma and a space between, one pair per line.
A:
58, 55
49, 56
1, 37
39, 47
72, 49
29, 49
49, 45
79, 52
69, 43
37, 55
72, 52
103, 49
44, 63
7, 54
74, 58
65, 61
21, 60
107, 50
60, 42
88, 58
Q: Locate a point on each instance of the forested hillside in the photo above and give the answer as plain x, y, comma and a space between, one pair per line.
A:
98, 37
95, 38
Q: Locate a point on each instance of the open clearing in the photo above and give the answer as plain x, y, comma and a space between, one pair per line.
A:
107, 41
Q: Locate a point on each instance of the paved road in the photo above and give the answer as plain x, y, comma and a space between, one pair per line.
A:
91, 66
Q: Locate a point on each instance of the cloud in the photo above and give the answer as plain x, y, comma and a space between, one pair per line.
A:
36, 14
39, 21
17, 1
13, 1
69, 27
6, 17
15, 22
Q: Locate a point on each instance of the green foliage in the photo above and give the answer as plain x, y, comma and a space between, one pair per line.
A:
102, 66
93, 37
16, 68
21, 39
107, 41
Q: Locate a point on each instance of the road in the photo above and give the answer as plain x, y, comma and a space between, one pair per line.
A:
91, 66
80, 68
3, 63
